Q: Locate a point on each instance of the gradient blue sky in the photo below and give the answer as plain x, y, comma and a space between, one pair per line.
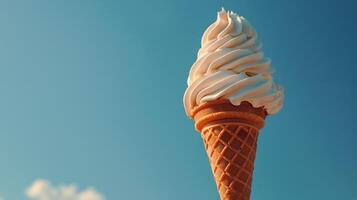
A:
91, 93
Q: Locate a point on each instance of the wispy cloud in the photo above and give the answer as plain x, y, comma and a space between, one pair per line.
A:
44, 190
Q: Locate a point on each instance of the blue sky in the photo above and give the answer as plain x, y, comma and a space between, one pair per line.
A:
91, 94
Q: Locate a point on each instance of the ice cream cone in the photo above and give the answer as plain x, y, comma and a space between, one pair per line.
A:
230, 136
230, 91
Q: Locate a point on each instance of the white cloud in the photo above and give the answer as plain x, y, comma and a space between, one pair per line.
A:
44, 190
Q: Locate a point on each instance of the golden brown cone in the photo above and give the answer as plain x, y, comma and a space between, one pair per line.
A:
230, 135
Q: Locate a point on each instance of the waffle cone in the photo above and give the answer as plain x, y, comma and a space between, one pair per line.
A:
230, 136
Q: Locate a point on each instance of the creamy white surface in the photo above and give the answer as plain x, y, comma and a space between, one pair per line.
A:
231, 65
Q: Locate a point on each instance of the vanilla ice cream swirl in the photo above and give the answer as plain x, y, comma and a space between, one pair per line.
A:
231, 65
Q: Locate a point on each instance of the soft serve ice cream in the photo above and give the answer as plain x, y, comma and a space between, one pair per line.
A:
231, 65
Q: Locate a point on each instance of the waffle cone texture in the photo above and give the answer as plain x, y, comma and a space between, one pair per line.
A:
230, 136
